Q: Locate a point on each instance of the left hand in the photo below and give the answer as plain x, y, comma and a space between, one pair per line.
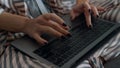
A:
83, 6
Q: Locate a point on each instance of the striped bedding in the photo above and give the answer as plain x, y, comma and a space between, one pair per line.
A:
12, 58
113, 10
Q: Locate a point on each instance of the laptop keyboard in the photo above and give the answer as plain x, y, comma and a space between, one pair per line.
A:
59, 51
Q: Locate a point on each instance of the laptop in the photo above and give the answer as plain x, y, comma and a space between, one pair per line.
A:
67, 52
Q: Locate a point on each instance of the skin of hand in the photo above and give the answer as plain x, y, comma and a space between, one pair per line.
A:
47, 23
82, 6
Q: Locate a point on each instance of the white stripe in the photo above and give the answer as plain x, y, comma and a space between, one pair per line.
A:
5, 2
2, 38
108, 14
22, 62
42, 6
84, 64
114, 13
118, 16
1, 10
14, 61
32, 64
108, 4
2, 61
43, 64
7, 58
26, 10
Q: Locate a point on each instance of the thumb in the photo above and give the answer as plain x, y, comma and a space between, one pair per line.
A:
39, 39
72, 14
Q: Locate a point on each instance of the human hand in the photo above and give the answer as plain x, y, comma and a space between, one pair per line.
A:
48, 23
83, 6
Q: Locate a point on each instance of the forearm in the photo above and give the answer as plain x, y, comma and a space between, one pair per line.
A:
11, 22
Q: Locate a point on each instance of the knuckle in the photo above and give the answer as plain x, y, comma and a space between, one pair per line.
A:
52, 13
54, 25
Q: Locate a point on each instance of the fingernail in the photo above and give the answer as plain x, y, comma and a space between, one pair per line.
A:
90, 27
90, 11
97, 16
70, 27
62, 37
64, 24
70, 17
69, 35
45, 43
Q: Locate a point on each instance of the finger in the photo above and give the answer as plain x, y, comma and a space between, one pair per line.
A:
101, 9
88, 18
95, 11
50, 31
54, 17
39, 39
87, 6
56, 25
76, 11
74, 14
58, 28
45, 22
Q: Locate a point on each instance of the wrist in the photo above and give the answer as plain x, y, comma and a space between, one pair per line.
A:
27, 26
24, 27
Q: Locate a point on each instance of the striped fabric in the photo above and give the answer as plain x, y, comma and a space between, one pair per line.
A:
19, 6
113, 9
12, 58
13, 7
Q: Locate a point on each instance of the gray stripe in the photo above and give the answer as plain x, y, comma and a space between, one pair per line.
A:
41, 6
110, 16
4, 60
38, 64
10, 57
3, 36
115, 17
108, 4
18, 1
100, 64
104, 3
111, 44
17, 58
0, 66
104, 15
25, 60
108, 13
33, 9
12, 6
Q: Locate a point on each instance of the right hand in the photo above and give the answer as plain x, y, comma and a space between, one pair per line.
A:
48, 23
